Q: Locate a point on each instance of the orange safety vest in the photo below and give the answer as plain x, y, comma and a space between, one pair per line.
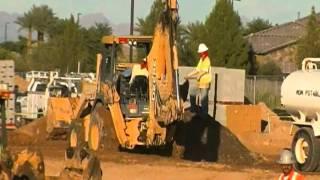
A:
292, 176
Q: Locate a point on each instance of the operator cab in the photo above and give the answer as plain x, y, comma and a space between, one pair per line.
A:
129, 74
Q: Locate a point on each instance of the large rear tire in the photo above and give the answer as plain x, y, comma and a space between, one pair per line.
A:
306, 150
101, 117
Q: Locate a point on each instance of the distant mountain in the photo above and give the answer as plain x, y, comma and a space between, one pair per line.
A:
89, 20
121, 29
86, 20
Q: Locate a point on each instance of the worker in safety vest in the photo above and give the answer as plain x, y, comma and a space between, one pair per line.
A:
203, 75
286, 162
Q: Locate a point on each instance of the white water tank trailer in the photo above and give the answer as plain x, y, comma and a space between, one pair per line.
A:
300, 96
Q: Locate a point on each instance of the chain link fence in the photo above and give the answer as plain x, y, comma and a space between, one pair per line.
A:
265, 89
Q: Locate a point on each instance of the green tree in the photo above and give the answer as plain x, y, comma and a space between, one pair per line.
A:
269, 68
191, 36
17, 46
62, 52
257, 25
72, 46
309, 45
44, 19
57, 28
38, 18
93, 37
68, 45
146, 26
6, 54
27, 22
224, 38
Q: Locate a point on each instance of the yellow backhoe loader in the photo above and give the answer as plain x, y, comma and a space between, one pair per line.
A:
133, 105
27, 164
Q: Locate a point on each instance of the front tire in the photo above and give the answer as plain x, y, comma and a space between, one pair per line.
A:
306, 150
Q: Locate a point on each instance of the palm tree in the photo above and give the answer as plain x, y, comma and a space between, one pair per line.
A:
146, 26
189, 38
44, 19
26, 22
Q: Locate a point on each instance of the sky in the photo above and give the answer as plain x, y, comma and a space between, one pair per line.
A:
118, 11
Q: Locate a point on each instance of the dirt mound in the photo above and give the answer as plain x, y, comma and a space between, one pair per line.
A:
275, 137
258, 128
207, 140
202, 138
21, 83
32, 133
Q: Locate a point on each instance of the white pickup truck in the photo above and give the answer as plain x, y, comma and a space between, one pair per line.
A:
42, 86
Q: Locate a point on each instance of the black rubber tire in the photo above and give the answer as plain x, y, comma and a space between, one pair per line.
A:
313, 152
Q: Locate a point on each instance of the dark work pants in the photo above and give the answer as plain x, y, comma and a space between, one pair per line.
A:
203, 99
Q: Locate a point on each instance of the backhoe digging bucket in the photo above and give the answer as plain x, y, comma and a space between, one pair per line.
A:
81, 164
29, 165
101, 133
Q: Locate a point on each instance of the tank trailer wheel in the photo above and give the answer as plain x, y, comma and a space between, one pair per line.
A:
306, 149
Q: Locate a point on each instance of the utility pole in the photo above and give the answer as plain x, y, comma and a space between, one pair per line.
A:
131, 27
6, 31
78, 18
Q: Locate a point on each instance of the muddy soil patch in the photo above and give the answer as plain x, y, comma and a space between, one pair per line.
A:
32, 133
205, 139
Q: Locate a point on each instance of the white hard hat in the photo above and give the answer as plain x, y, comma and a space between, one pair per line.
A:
202, 48
286, 157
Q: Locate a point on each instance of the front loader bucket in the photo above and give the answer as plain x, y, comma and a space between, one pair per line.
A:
60, 112
29, 164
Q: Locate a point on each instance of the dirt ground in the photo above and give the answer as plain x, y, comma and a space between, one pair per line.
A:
224, 157
143, 166
135, 166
